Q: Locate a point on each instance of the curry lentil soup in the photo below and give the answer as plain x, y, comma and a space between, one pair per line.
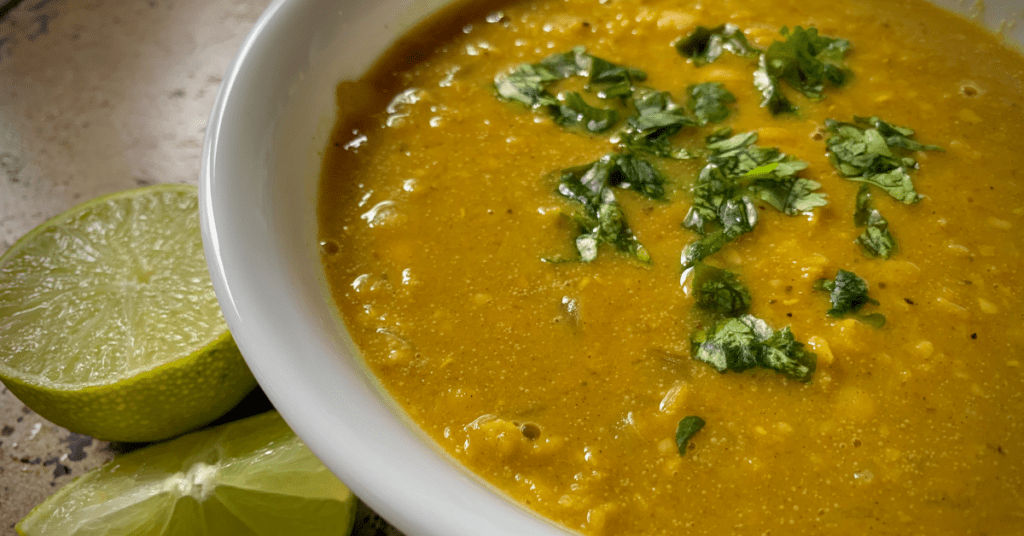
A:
559, 372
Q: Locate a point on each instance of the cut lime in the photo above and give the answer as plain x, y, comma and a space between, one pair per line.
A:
248, 477
108, 321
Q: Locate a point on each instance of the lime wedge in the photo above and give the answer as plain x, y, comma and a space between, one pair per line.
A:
248, 477
108, 321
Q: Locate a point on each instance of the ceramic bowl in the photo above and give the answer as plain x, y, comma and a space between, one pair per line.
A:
258, 189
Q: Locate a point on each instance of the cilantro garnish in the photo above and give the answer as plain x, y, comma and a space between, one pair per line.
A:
767, 172
705, 45
707, 102
873, 151
657, 118
609, 80
602, 220
848, 293
719, 291
806, 61
687, 428
876, 240
737, 170
573, 110
745, 342
528, 83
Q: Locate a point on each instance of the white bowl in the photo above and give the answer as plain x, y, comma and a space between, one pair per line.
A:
258, 188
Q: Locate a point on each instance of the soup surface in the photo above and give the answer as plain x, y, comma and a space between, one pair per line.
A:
538, 281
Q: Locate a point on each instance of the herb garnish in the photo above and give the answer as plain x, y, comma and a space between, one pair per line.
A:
707, 102
719, 291
876, 240
658, 117
528, 84
573, 110
805, 61
738, 169
602, 220
705, 45
745, 342
873, 151
687, 428
848, 293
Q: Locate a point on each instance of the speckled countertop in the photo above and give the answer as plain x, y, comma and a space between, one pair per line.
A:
99, 96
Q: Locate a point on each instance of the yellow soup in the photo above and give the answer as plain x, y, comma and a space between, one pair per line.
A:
559, 262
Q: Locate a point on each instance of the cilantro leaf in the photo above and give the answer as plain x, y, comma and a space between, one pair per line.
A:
608, 79
719, 291
602, 221
612, 81
657, 118
737, 170
772, 96
573, 110
528, 84
705, 45
737, 155
787, 194
848, 293
708, 100
873, 151
876, 240
639, 175
805, 61
745, 342
712, 188
687, 428
736, 216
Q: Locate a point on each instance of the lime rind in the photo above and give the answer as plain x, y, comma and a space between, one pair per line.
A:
153, 405
188, 486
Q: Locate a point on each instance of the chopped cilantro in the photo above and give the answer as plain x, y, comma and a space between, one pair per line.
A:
602, 220
657, 118
806, 61
611, 81
710, 244
639, 175
848, 293
607, 79
873, 151
573, 110
745, 342
876, 240
738, 170
528, 84
708, 100
705, 45
719, 291
687, 428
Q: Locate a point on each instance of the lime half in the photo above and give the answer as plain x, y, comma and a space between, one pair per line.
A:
108, 321
248, 477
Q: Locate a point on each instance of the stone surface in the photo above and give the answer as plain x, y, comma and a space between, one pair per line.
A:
95, 97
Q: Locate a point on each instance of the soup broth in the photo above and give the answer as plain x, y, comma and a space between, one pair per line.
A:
554, 342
